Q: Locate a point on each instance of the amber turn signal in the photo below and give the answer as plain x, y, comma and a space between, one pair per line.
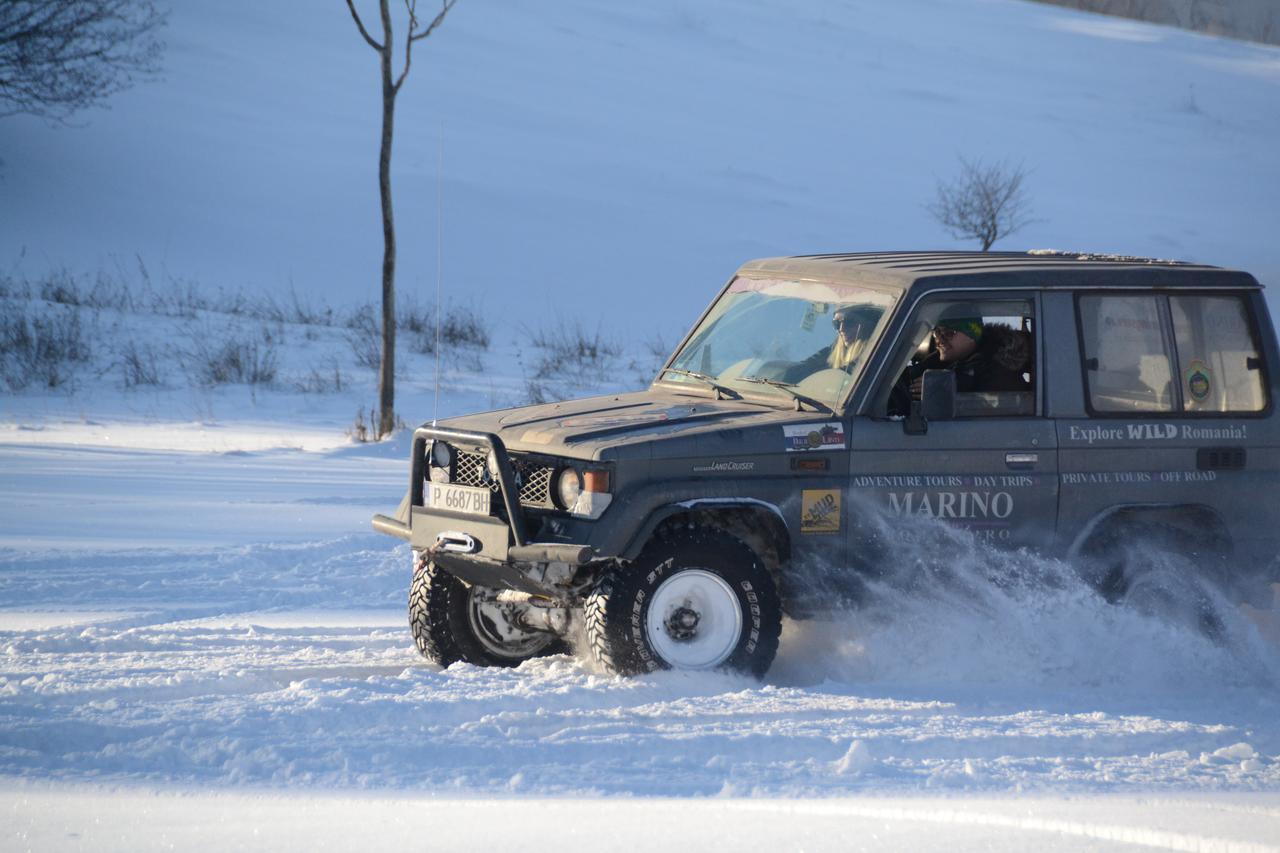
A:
595, 481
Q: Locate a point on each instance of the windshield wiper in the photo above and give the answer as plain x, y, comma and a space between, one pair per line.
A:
790, 389
710, 380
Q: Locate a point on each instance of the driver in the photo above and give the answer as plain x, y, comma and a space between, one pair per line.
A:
984, 358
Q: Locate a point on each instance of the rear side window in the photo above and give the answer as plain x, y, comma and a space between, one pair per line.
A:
1178, 353
1220, 368
1129, 368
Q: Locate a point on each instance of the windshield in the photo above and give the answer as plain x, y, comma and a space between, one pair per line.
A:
791, 338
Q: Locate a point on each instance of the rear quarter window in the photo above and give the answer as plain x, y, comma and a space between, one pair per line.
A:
1176, 354
1220, 368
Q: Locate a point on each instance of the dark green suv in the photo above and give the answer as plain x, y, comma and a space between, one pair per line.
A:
1066, 403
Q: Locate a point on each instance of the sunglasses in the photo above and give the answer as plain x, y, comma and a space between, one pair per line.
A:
839, 321
944, 334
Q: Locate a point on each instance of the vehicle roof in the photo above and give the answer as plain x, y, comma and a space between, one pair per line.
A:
1037, 268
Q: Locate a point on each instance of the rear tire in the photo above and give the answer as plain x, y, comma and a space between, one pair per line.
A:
1159, 571
453, 622
694, 599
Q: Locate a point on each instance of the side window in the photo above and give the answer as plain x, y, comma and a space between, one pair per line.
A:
988, 343
1203, 359
1220, 368
1127, 361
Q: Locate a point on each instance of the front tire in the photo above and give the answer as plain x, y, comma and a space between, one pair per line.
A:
451, 621
694, 599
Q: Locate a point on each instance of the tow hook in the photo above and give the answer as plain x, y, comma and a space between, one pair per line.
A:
458, 543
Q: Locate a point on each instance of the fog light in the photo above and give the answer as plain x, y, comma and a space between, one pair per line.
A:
441, 454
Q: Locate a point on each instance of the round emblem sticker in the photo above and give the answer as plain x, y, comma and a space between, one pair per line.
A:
1199, 380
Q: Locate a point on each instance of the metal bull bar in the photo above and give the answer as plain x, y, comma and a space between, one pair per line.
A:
480, 442
476, 442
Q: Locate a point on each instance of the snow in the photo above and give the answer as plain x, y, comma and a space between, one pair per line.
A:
203, 644
51, 819
191, 647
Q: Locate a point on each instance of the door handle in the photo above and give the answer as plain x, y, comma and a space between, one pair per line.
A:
1021, 460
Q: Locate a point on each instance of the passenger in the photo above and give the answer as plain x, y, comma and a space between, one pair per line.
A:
853, 325
985, 358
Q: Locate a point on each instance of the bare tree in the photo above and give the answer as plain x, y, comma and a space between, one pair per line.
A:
391, 84
985, 203
60, 56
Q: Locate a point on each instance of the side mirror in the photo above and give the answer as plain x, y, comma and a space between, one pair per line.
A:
938, 395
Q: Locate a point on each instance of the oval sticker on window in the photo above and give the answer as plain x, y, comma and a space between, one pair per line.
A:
1199, 380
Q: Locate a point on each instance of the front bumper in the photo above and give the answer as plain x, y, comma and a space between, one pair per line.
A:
480, 549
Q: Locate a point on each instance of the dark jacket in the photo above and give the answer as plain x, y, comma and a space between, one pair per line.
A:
1002, 360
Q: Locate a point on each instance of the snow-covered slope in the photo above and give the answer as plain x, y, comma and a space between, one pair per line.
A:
619, 160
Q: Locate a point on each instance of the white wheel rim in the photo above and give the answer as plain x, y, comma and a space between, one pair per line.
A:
494, 630
694, 620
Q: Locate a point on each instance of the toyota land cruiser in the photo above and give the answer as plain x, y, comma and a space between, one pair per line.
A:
674, 526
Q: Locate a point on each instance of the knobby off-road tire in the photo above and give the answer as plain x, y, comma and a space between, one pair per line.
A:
693, 599
448, 627
1160, 572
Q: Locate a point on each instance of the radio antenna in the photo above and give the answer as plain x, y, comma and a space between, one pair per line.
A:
435, 409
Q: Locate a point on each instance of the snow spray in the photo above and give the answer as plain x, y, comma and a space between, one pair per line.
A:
948, 607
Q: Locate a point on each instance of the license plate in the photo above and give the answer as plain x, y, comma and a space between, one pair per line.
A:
458, 498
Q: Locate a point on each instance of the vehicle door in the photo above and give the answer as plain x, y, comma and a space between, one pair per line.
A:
991, 469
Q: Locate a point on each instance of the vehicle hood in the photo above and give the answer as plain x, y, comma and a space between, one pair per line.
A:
623, 425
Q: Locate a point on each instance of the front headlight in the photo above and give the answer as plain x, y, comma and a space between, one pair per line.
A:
568, 487
583, 493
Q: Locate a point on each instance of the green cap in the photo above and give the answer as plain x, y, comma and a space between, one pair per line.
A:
971, 326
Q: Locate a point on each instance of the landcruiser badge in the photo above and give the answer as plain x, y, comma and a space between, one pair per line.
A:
801, 437
1199, 380
819, 511
725, 466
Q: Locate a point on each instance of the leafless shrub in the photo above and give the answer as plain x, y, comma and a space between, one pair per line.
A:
365, 427
364, 334
654, 353
12, 288
295, 309
323, 381
234, 360
568, 350
139, 365
536, 393
461, 334
41, 348
418, 325
985, 202
61, 287
184, 298
460, 328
